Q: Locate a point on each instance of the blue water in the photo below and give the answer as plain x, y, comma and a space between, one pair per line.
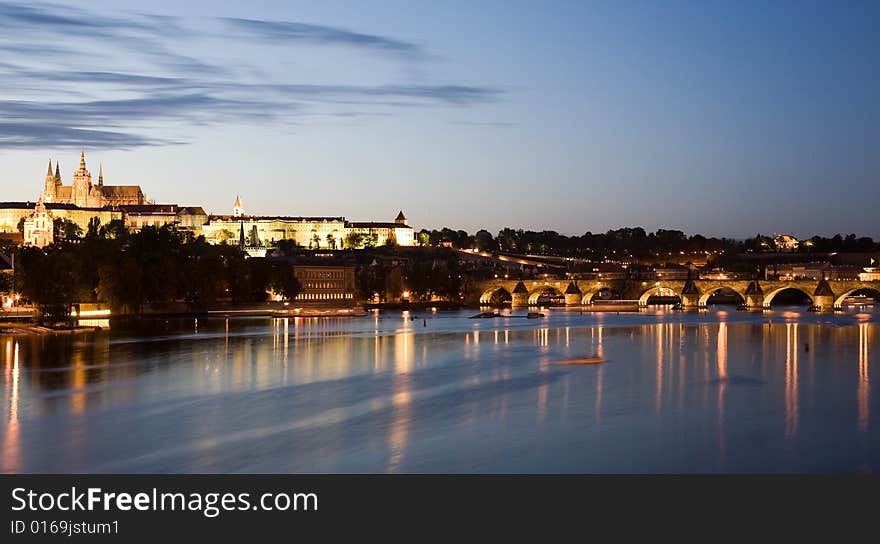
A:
715, 391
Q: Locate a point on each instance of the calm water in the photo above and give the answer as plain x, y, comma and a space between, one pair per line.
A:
693, 392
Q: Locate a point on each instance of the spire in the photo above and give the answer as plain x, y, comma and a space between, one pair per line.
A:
237, 207
100, 174
57, 173
49, 171
82, 161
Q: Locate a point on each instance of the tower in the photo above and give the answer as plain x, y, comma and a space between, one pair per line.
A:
49, 188
401, 219
237, 207
82, 184
100, 174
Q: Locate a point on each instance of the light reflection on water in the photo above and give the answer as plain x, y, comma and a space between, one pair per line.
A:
437, 392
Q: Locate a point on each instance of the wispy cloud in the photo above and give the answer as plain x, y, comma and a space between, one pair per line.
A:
276, 31
116, 80
56, 135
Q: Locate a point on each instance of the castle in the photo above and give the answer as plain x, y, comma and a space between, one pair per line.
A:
84, 194
83, 201
255, 231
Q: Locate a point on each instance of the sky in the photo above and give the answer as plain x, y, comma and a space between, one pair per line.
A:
719, 118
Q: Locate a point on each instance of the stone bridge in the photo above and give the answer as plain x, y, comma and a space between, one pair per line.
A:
824, 295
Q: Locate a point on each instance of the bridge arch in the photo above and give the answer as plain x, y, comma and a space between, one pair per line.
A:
768, 298
493, 293
596, 294
875, 292
535, 294
658, 290
704, 297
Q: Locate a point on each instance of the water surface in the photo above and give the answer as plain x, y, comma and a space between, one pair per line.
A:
715, 391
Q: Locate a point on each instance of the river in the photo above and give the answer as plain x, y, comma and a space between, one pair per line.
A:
714, 391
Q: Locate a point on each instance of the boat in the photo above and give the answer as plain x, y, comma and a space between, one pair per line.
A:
534, 315
595, 360
485, 315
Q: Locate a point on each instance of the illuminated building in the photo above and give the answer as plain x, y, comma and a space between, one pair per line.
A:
786, 242
83, 201
309, 232
83, 193
38, 228
870, 274
325, 285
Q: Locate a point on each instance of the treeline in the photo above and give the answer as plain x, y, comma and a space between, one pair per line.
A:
818, 244
425, 275
635, 242
155, 265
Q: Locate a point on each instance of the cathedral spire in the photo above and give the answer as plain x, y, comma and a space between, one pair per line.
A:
100, 174
57, 173
50, 184
82, 161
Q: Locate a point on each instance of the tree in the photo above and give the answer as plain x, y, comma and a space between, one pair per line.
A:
115, 230
282, 280
353, 240
65, 230
94, 227
47, 282
286, 247
371, 240
484, 241
226, 235
331, 241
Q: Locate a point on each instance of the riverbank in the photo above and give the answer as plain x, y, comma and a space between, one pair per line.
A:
28, 329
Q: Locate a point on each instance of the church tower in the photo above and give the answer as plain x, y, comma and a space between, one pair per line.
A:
237, 207
100, 175
82, 184
38, 227
49, 189
401, 219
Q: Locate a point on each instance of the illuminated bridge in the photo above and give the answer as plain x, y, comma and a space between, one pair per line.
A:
825, 295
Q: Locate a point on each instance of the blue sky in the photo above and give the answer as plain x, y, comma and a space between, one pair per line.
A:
718, 118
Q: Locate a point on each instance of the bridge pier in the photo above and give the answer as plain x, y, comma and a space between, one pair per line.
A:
573, 295
690, 295
754, 296
520, 295
823, 297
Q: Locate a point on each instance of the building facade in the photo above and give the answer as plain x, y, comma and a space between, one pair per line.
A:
39, 229
83, 193
308, 232
325, 285
156, 215
83, 201
14, 214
